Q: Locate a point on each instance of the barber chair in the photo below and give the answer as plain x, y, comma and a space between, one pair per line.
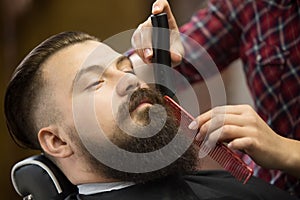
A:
37, 178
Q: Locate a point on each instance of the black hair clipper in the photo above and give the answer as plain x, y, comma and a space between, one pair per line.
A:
161, 60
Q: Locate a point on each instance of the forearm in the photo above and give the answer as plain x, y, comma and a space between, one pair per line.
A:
290, 162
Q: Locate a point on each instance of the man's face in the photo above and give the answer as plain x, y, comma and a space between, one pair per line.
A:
100, 96
92, 70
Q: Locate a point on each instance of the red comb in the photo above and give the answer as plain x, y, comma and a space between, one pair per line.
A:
220, 153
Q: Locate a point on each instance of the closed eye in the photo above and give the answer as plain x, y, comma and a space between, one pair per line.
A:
124, 64
95, 84
130, 71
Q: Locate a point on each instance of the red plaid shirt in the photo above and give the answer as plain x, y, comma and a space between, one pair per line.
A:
265, 34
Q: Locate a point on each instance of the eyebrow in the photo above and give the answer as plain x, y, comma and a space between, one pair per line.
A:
121, 59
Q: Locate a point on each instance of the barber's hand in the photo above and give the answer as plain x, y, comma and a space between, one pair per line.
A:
242, 128
141, 39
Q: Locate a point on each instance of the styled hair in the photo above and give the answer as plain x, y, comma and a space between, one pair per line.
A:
23, 94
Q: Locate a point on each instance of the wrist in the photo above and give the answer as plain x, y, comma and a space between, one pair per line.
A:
291, 159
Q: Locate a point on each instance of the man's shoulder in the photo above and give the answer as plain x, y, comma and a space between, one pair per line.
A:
223, 182
171, 187
218, 185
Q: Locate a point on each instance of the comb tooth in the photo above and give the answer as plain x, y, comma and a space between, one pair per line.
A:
244, 175
231, 163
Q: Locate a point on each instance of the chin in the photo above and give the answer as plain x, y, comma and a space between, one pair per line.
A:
141, 116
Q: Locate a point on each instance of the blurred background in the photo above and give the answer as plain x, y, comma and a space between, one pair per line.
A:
25, 23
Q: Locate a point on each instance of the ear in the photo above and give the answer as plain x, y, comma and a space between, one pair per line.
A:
54, 142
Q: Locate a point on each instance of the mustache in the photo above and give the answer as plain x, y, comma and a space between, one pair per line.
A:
144, 95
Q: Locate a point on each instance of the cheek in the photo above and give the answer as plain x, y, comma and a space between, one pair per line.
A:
105, 113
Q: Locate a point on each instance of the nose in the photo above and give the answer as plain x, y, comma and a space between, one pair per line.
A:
127, 84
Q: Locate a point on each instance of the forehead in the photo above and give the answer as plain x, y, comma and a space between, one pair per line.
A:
61, 68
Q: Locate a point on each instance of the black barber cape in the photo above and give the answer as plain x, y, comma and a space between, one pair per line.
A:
200, 185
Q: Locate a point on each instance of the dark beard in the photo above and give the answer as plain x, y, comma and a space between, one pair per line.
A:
161, 137
183, 164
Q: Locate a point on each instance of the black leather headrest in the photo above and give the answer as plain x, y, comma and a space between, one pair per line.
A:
41, 179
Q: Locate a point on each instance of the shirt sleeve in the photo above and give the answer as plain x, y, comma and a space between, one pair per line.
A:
211, 39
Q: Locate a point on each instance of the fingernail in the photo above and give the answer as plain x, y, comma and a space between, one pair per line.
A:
155, 8
147, 53
193, 125
229, 145
199, 137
